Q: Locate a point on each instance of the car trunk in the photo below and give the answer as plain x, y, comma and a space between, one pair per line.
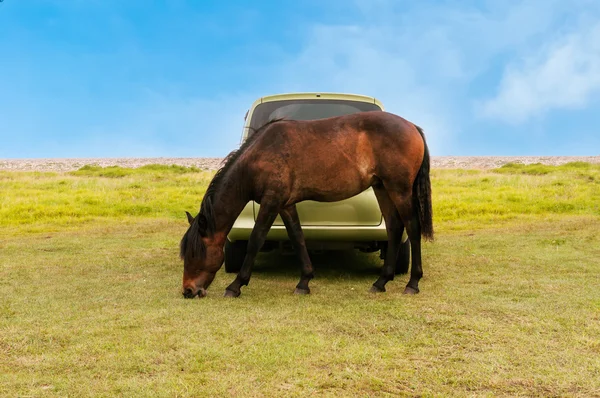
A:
358, 210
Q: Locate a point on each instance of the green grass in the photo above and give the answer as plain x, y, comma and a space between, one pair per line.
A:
36, 201
90, 300
155, 170
471, 199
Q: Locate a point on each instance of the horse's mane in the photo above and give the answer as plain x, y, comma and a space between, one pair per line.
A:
204, 223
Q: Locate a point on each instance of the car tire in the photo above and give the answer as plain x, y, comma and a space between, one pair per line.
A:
403, 260
235, 253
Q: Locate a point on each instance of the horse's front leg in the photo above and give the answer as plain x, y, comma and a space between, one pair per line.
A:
290, 218
265, 218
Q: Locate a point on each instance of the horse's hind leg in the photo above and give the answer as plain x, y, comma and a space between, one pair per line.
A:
265, 218
410, 218
294, 230
403, 202
413, 229
395, 228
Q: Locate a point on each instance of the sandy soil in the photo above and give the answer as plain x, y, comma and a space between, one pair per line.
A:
443, 162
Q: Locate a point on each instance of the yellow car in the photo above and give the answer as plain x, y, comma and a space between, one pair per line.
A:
354, 223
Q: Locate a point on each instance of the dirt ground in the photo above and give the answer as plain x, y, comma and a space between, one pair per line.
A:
440, 162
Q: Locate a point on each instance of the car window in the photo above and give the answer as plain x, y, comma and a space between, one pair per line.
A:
307, 110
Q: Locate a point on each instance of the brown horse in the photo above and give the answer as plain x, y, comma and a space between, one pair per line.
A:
285, 162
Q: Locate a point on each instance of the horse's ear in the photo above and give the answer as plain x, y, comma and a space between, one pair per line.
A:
189, 217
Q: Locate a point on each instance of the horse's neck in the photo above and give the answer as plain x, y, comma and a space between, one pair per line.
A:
229, 202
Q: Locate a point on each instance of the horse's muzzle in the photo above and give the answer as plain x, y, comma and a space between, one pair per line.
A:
189, 293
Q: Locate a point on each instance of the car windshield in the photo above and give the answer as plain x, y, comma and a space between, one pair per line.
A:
307, 110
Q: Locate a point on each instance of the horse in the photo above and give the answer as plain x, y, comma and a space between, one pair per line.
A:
285, 162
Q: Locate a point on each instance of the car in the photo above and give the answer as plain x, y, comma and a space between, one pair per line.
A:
354, 223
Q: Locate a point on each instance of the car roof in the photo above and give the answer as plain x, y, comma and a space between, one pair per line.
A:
315, 95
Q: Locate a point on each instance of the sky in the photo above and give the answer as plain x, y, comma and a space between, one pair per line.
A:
174, 78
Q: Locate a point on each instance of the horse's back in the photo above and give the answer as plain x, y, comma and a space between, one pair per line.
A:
381, 128
377, 142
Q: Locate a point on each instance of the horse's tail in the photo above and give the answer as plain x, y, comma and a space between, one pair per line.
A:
422, 193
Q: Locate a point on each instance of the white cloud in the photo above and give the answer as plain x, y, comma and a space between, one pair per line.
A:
562, 75
420, 60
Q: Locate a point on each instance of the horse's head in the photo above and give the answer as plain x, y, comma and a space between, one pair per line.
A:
202, 257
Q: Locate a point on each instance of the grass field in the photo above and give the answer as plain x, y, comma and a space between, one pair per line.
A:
90, 301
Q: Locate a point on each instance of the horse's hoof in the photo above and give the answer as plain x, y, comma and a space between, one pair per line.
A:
410, 290
231, 293
302, 291
375, 289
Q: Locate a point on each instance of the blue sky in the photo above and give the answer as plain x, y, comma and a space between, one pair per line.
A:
109, 78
